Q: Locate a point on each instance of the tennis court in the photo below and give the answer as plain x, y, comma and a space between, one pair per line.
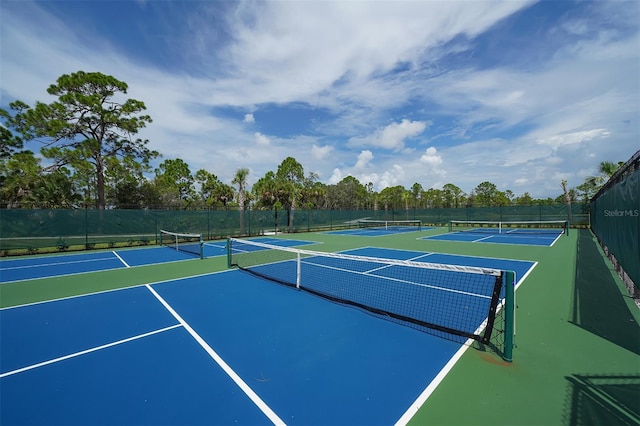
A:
27, 268
194, 342
528, 233
221, 348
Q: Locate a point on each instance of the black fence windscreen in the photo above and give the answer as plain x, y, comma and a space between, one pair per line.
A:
34, 229
615, 220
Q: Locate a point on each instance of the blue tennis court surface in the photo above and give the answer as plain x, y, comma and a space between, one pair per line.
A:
513, 237
224, 348
376, 232
26, 268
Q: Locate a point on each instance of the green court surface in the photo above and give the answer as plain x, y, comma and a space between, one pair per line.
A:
577, 359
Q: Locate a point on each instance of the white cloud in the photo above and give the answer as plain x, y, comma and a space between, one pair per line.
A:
433, 162
391, 136
573, 138
582, 97
261, 139
321, 152
391, 177
283, 52
364, 158
336, 176
431, 158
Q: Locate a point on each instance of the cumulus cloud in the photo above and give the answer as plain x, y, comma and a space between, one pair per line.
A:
336, 176
391, 136
320, 152
433, 162
249, 118
364, 158
261, 139
391, 177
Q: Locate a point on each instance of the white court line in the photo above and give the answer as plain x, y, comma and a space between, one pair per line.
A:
44, 265
227, 369
482, 239
372, 270
90, 272
97, 348
417, 258
129, 287
413, 409
426, 393
555, 239
121, 259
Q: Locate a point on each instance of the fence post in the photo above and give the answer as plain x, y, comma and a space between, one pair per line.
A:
509, 329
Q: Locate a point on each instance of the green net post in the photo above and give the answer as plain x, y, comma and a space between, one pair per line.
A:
201, 247
509, 320
450, 226
228, 252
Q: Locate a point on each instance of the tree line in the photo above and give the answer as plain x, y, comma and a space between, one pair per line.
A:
92, 158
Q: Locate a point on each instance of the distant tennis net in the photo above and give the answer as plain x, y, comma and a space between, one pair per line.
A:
397, 225
555, 227
186, 243
452, 299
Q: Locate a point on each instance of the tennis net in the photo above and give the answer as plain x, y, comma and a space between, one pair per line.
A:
556, 227
451, 299
186, 243
398, 225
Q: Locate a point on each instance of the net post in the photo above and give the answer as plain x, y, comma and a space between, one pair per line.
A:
450, 225
228, 252
509, 320
298, 267
201, 247
567, 225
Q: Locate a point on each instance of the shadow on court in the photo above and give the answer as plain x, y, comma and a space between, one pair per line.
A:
602, 400
598, 304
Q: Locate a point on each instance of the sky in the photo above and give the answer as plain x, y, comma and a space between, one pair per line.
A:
522, 94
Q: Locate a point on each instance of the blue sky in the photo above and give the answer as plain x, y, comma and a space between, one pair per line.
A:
521, 94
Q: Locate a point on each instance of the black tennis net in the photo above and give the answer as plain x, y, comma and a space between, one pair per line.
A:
391, 225
186, 243
453, 299
551, 227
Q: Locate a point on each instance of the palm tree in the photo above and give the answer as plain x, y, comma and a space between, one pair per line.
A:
606, 169
406, 197
240, 179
